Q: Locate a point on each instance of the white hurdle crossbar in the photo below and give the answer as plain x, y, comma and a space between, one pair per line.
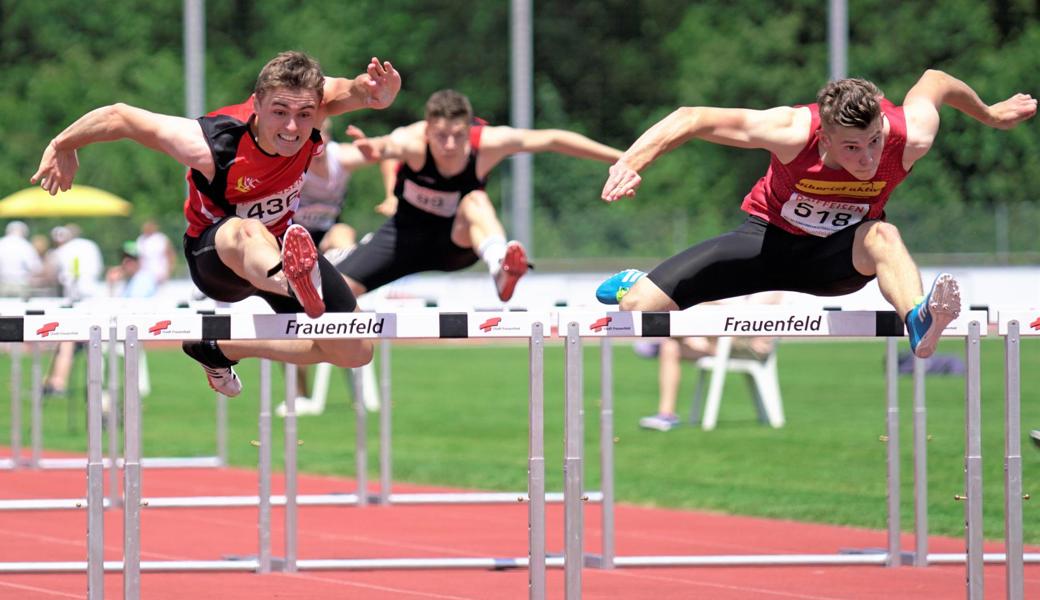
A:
426, 325
779, 321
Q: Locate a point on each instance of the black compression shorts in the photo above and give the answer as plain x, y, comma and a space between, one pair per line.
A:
220, 283
758, 257
397, 249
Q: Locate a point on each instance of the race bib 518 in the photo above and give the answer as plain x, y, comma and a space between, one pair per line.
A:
822, 217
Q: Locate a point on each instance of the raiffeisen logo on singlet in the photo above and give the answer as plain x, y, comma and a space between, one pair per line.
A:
857, 189
246, 183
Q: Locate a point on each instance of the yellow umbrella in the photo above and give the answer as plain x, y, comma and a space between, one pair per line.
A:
80, 201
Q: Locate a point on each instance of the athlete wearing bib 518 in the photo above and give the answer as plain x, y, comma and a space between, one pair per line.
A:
816, 220
246, 165
444, 219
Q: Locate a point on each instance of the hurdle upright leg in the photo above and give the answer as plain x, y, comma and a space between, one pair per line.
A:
894, 556
573, 560
131, 469
290, 437
973, 465
385, 424
606, 451
920, 466
536, 466
1013, 545
361, 439
36, 426
95, 473
16, 404
112, 418
264, 446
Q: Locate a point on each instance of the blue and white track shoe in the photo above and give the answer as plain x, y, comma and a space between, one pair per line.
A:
614, 288
926, 321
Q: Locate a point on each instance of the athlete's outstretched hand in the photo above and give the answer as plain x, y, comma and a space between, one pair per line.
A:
1011, 112
355, 132
57, 169
383, 83
623, 181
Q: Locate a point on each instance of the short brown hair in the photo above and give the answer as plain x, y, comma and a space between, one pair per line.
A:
291, 70
849, 103
449, 104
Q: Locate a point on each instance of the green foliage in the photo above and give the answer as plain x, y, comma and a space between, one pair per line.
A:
606, 68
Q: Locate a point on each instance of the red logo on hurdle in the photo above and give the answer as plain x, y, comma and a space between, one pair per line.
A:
492, 322
1035, 324
159, 327
600, 323
47, 329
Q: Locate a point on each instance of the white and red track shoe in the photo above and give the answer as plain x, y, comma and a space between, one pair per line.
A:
300, 265
513, 267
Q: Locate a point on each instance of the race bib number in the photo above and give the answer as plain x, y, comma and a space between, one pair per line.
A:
822, 217
317, 216
270, 209
442, 204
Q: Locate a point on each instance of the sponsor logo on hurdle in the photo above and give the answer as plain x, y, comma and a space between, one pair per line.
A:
1035, 324
47, 329
354, 326
791, 323
607, 324
159, 327
495, 325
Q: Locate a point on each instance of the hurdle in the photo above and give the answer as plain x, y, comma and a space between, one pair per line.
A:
427, 325
725, 321
109, 308
34, 328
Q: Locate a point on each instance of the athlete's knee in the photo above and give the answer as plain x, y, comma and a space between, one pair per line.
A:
349, 354
646, 296
477, 204
884, 238
355, 287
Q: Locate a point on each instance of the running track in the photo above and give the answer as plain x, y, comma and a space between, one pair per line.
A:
447, 531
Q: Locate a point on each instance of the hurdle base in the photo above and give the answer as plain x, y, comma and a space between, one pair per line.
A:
906, 558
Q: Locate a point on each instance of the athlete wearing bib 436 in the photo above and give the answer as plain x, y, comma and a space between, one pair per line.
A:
444, 219
246, 165
816, 219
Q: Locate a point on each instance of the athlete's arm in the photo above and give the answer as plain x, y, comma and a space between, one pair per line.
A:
178, 137
375, 88
404, 143
349, 155
935, 89
388, 169
499, 142
782, 131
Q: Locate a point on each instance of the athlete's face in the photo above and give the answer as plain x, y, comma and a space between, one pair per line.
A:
448, 138
856, 150
284, 119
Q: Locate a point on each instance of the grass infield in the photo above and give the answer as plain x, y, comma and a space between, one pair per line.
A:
460, 419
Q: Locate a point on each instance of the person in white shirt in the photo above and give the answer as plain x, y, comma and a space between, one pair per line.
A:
19, 261
155, 251
77, 262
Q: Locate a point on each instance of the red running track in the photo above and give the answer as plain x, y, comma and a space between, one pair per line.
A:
448, 531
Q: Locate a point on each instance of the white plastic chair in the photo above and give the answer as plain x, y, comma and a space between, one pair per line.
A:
761, 377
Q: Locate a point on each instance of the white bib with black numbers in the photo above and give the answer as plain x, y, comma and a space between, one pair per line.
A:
822, 217
437, 202
271, 209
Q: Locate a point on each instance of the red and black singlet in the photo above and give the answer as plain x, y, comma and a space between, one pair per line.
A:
248, 182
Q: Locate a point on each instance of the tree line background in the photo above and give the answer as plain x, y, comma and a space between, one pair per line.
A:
606, 68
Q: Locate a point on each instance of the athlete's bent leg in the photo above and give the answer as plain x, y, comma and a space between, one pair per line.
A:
879, 250
251, 252
646, 296
477, 226
878, 246
340, 236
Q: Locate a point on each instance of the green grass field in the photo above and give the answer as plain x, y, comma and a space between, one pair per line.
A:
460, 419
